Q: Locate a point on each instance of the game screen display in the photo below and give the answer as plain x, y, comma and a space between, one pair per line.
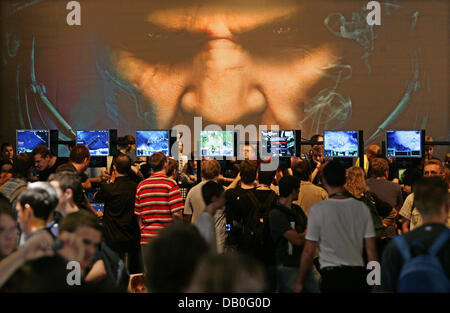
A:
98, 207
279, 143
340, 144
27, 140
217, 143
149, 142
403, 143
96, 140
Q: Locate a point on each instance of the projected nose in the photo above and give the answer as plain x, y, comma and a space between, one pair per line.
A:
222, 89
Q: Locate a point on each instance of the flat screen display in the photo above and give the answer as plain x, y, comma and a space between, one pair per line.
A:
149, 142
217, 143
340, 144
279, 143
27, 140
404, 143
98, 207
97, 141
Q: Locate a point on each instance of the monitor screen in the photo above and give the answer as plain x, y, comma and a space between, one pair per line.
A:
217, 143
27, 140
97, 141
404, 143
98, 207
149, 142
340, 144
279, 143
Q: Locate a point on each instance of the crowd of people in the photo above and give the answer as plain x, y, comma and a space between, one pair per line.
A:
215, 226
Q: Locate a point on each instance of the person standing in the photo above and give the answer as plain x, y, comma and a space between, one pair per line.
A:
288, 226
429, 241
340, 226
120, 226
213, 197
21, 172
195, 203
309, 193
7, 152
158, 200
410, 214
45, 162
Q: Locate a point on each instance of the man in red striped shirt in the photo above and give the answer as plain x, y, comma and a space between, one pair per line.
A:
158, 200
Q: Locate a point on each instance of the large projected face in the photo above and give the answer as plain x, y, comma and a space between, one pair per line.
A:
298, 64
228, 62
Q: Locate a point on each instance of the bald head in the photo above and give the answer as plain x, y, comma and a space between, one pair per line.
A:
123, 164
374, 151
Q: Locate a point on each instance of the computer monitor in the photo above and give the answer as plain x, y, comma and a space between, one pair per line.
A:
340, 144
97, 141
98, 207
217, 143
404, 143
278, 143
27, 139
149, 142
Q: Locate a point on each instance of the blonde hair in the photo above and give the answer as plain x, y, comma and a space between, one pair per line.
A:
355, 183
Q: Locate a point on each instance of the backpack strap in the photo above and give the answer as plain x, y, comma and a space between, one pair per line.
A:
269, 201
16, 194
439, 242
254, 200
403, 247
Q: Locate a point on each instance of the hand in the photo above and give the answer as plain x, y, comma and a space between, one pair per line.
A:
407, 189
278, 176
105, 176
317, 162
38, 246
73, 247
298, 288
99, 214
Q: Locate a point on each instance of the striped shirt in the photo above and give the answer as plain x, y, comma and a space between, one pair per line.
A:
157, 199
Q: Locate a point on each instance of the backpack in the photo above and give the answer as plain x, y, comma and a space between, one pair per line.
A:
250, 234
380, 230
256, 237
422, 273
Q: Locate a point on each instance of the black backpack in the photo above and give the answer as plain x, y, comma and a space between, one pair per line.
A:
256, 238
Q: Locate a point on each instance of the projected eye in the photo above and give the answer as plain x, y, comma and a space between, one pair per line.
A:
276, 41
158, 45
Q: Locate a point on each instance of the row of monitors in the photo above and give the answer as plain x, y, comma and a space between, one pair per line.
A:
281, 143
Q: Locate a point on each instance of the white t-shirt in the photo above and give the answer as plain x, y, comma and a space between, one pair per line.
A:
340, 226
195, 205
206, 226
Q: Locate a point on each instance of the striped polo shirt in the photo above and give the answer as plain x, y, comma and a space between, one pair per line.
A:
157, 199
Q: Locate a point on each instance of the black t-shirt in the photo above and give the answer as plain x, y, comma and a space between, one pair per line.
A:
120, 225
43, 175
281, 220
47, 274
238, 209
69, 167
392, 260
117, 275
238, 203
